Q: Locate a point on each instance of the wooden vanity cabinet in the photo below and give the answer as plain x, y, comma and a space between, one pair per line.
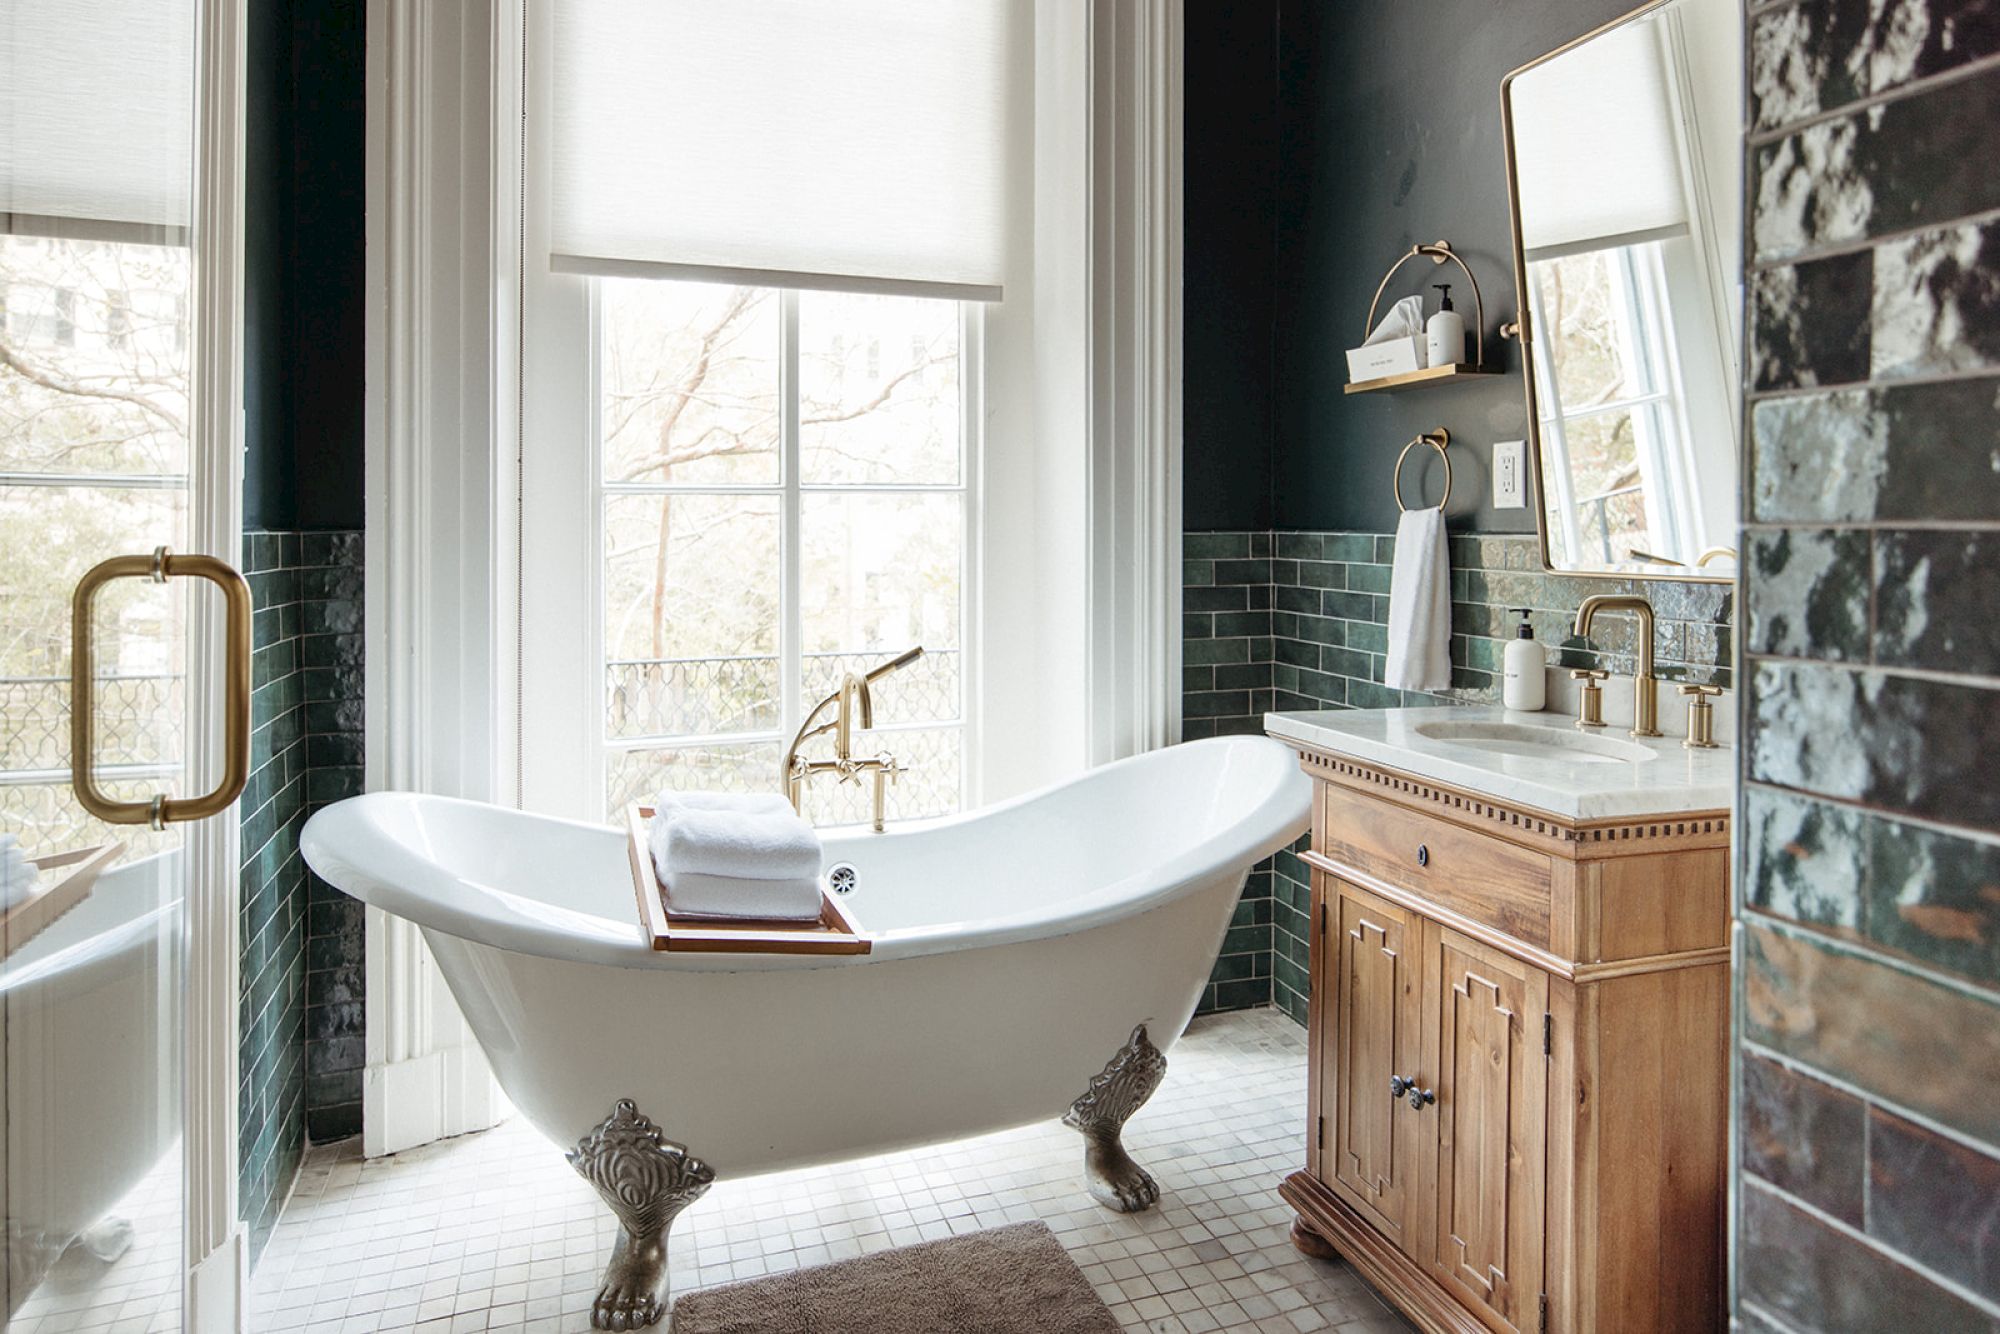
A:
1518, 1075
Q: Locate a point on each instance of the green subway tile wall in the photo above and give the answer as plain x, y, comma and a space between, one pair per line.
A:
300, 1001
1299, 620
1869, 868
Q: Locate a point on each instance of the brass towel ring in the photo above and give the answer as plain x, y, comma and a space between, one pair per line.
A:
1437, 440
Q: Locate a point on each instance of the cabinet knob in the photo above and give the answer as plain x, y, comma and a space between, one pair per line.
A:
1423, 855
1418, 1097
1398, 1085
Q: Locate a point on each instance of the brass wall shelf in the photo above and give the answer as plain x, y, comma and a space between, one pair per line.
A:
1428, 375
1438, 252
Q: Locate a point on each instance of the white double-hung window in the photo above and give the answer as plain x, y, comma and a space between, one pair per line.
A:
758, 242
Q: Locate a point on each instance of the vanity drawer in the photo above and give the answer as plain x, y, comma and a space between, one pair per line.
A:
1486, 879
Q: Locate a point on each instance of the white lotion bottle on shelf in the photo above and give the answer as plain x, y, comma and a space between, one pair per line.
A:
1444, 334
1524, 684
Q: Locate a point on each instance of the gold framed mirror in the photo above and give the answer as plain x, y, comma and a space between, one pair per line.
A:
1624, 185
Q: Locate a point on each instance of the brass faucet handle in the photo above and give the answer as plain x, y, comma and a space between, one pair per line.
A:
1701, 716
1590, 705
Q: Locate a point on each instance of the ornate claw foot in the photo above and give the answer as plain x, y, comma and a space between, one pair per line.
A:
1121, 1089
646, 1180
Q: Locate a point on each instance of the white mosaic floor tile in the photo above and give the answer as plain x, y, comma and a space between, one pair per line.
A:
494, 1232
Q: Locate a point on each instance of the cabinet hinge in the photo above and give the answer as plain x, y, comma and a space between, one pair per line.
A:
1325, 911
1542, 1324
1319, 1132
1548, 1033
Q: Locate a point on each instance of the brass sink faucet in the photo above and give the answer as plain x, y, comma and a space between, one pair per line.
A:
1645, 689
851, 701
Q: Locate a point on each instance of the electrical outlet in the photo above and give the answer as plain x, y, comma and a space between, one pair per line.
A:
1510, 460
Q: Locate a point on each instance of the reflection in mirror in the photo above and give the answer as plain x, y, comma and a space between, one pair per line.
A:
1627, 207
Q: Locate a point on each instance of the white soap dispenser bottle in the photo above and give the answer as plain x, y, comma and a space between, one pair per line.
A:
1524, 685
1444, 334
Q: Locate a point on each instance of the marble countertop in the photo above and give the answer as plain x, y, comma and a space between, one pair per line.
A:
1656, 776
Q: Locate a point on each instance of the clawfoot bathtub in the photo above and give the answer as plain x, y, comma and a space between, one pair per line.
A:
1030, 957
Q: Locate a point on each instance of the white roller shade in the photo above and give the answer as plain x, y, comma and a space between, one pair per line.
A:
848, 144
1597, 158
96, 116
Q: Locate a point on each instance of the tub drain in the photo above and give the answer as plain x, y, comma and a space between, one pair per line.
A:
841, 878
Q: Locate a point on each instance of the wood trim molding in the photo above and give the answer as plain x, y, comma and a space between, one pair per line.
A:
438, 498
1716, 956
1519, 824
1134, 366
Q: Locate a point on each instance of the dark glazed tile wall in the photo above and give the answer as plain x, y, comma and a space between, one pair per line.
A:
1295, 620
300, 1003
1870, 952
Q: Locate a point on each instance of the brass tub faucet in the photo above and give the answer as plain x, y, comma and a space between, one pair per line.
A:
851, 701
1645, 689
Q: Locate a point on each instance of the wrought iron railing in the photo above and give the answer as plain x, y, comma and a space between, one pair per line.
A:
676, 700
138, 735
715, 696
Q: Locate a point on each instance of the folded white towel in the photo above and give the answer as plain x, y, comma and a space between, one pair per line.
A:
689, 893
1420, 605
756, 803
18, 875
760, 845
668, 805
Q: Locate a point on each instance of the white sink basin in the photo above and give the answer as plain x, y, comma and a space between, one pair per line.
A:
1537, 743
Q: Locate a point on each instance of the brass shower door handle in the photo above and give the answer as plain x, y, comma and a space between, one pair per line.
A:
162, 810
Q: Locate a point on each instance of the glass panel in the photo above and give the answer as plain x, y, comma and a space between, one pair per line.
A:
691, 613
1588, 347
933, 784
95, 349
881, 572
878, 386
733, 766
96, 337
1610, 500
689, 383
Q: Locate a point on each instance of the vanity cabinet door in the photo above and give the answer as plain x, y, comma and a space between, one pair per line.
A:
1372, 974
1483, 1025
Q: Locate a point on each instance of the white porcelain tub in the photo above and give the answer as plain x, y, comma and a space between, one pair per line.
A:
91, 1050
1016, 950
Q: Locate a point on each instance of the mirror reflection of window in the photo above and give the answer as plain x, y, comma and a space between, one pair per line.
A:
1628, 207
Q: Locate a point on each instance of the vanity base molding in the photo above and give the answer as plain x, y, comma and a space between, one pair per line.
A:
1519, 1057
1327, 1229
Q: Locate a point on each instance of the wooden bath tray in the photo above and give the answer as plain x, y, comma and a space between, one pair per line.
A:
836, 932
67, 879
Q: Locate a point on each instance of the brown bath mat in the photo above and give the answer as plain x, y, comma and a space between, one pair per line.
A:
1011, 1280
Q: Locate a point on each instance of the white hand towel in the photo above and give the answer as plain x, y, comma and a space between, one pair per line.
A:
750, 845
691, 894
1420, 605
18, 875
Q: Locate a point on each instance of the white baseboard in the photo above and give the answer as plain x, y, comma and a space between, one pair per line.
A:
217, 1285
428, 1097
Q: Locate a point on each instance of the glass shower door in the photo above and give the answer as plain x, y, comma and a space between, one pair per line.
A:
97, 117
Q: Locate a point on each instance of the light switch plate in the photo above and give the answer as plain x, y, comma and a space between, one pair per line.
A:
1510, 460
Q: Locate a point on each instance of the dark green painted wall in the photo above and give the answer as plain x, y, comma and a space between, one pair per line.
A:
1386, 133
1228, 272
303, 265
